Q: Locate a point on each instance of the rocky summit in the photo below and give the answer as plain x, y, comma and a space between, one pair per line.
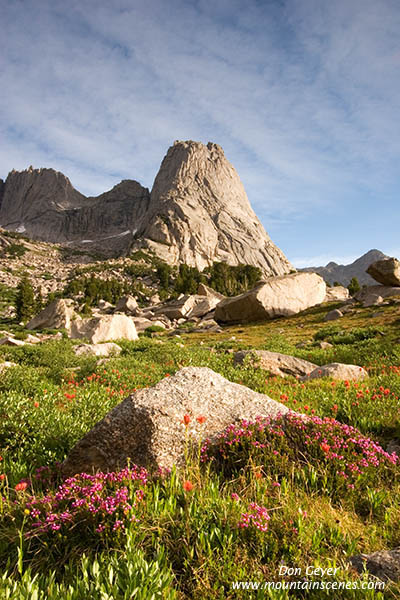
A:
197, 213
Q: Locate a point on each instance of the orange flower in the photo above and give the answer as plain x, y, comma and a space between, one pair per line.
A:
258, 475
200, 419
21, 486
188, 486
186, 420
325, 447
36, 404
2, 476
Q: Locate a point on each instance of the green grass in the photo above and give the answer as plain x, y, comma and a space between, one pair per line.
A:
187, 543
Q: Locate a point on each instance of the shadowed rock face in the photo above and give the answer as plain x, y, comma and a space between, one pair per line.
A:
198, 212
44, 205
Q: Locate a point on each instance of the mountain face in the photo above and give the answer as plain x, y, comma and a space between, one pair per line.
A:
343, 274
44, 205
197, 213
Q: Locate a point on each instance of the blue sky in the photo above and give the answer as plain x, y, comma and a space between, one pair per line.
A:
303, 96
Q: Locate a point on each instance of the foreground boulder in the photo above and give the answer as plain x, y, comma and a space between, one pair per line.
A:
386, 271
275, 363
384, 564
277, 297
57, 315
104, 328
147, 427
107, 349
338, 371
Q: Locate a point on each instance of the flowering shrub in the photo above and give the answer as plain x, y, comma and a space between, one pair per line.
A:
335, 456
89, 506
257, 518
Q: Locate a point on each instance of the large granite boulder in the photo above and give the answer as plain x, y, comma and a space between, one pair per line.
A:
386, 271
204, 290
127, 305
104, 328
369, 295
188, 306
147, 427
384, 564
57, 315
276, 297
275, 362
337, 293
339, 371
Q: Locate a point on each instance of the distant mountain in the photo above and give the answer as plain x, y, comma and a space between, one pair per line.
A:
197, 213
344, 273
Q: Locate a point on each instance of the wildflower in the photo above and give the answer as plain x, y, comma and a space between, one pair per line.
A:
258, 518
186, 420
234, 496
334, 408
201, 419
258, 475
276, 484
36, 404
21, 486
325, 447
2, 477
188, 486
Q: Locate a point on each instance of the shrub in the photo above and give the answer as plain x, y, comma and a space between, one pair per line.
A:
327, 454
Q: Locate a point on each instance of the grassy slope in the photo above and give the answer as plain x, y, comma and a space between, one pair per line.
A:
187, 543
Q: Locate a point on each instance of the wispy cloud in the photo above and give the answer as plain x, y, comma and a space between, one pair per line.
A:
303, 95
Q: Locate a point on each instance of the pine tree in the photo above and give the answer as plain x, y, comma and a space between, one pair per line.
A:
353, 286
25, 301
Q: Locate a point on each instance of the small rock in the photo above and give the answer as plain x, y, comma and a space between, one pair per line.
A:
275, 362
107, 349
9, 341
332, 315
339, 371
384, 564
324, 345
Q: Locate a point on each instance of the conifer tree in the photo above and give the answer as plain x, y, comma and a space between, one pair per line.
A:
25, 301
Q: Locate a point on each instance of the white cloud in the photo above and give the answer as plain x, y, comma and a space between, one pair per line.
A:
302, 95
